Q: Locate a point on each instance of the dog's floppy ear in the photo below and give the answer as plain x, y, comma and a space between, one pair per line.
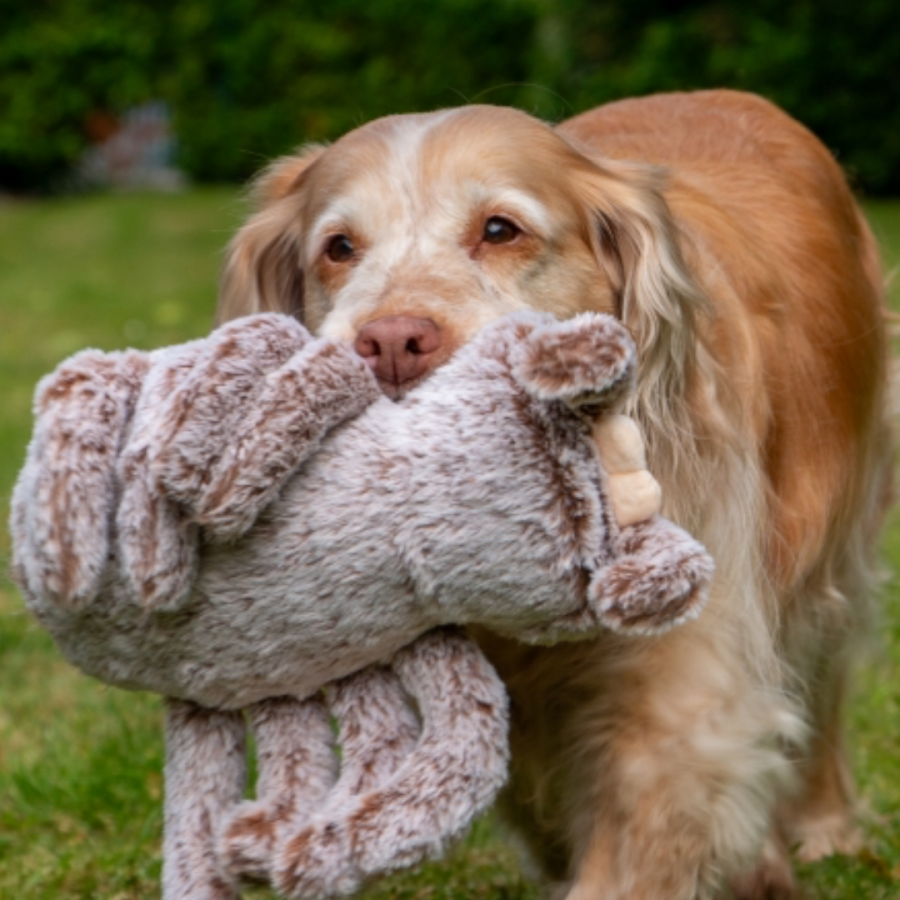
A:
262, 269
636, 242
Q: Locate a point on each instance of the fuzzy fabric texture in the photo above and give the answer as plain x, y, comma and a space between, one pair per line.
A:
240, 521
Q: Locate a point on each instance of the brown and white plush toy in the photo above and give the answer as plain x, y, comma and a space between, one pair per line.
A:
238, 522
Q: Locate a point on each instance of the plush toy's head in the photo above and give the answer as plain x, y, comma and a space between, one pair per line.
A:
245, 517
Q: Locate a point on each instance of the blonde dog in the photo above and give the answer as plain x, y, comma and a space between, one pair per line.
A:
724, 236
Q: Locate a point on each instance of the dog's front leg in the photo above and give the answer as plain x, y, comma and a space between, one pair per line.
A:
674, 763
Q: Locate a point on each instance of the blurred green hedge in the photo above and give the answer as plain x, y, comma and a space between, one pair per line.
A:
247, 80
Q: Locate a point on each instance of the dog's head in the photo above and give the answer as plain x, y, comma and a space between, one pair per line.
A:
409, 234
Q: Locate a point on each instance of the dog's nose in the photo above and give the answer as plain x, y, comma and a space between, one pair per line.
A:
398, 348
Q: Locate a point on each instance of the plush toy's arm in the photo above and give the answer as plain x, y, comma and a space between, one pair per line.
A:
253, 408
214, 442
659, 579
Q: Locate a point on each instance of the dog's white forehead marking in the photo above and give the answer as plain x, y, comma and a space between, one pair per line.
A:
401, 209
379, 201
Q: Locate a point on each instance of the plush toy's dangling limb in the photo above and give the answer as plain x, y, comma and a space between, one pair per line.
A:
63, 502
297, 767
451, 776
204, 777
256, 405
378, 729
659, 580
297, 764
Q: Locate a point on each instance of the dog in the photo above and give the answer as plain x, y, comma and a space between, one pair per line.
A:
725, 237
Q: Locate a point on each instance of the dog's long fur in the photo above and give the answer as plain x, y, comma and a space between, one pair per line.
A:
725, 236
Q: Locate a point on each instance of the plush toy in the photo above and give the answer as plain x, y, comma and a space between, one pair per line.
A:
240, 521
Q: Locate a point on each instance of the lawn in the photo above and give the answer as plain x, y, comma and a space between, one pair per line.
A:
80, 785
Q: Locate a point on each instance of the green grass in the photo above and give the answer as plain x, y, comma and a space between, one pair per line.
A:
80, 785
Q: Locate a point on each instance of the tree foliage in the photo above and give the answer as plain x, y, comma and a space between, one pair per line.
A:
247, 80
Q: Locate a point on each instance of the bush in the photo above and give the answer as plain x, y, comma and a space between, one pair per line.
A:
250, 82
835, 66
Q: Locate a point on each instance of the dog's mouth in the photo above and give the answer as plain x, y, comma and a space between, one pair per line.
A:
397, 390
395, 386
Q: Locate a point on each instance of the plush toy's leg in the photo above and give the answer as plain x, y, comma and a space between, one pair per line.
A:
297, 767
452, 775
659, 580
254, 407
205, 773
63, 503
378, 730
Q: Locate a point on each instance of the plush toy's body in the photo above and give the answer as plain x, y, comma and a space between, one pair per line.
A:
225, 555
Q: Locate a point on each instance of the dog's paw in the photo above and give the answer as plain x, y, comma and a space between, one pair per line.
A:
772, 877
827, 836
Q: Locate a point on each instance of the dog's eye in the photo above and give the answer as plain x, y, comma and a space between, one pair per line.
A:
498, 230
340, 248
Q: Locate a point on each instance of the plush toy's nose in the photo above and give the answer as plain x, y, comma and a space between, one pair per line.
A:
399, 349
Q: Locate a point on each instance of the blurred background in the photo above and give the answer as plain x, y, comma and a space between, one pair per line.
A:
126, 131
244, 80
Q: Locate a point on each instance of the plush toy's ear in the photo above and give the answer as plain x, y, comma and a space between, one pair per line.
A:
63, 503
659, 580
585, 361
